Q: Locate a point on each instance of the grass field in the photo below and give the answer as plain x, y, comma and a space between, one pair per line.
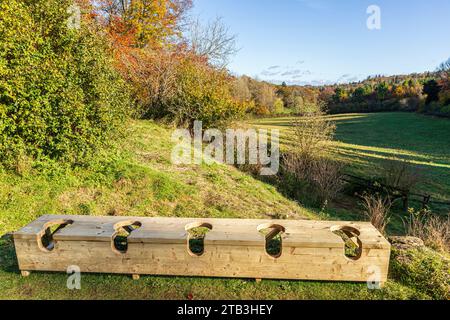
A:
138, 179
363, 141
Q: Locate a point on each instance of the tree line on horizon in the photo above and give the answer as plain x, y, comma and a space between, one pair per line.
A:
427, 93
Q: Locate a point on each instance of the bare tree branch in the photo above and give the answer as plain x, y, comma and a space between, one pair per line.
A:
445, 66
212, 41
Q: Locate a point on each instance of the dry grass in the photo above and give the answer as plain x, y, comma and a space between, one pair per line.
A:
433, 230
376, 208
438, 233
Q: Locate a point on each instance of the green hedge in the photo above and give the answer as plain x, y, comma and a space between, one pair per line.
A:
59, 94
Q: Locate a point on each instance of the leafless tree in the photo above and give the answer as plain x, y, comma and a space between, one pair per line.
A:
265, 95
312, 133
445, 66
212, 41
401, 174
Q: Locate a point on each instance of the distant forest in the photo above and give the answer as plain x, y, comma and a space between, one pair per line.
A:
427, 93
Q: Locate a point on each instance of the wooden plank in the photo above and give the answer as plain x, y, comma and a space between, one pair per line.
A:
297, 231
222, 261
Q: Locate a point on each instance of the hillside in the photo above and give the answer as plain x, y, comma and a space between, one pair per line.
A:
363, 141
138, 179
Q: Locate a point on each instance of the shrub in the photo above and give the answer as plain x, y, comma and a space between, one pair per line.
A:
151, 75
312, 133
433, 107
423, 269
308, 108
59, 94
446, 111
444, 97
326, 176
400, 174
410, 104
304, 165
261, 110
433, 230
278, 106
318, 178
200, 92
376, 208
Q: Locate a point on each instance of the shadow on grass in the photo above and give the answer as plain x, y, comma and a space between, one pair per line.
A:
8, 258
420, 135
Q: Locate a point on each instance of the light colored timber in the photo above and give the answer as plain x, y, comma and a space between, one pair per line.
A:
25, 273
233, 248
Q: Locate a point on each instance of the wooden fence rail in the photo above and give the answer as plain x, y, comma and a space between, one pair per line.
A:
393, 192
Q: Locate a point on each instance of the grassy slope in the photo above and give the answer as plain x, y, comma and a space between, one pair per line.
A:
140, 180
364, 140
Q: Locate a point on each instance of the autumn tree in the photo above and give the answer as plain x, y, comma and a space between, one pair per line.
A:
444, 95
359, 94
340, 95
240, 89
145, 37
144, 23
264, 95
399, 91
325, 95
382, 90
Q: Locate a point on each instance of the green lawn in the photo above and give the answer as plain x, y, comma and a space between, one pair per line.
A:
363, 141
137, 179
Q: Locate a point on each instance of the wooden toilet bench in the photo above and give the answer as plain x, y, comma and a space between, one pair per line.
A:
309, 250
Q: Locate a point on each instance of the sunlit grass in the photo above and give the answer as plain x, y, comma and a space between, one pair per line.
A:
363, 141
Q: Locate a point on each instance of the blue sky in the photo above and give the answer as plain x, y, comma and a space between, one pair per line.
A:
327, 41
